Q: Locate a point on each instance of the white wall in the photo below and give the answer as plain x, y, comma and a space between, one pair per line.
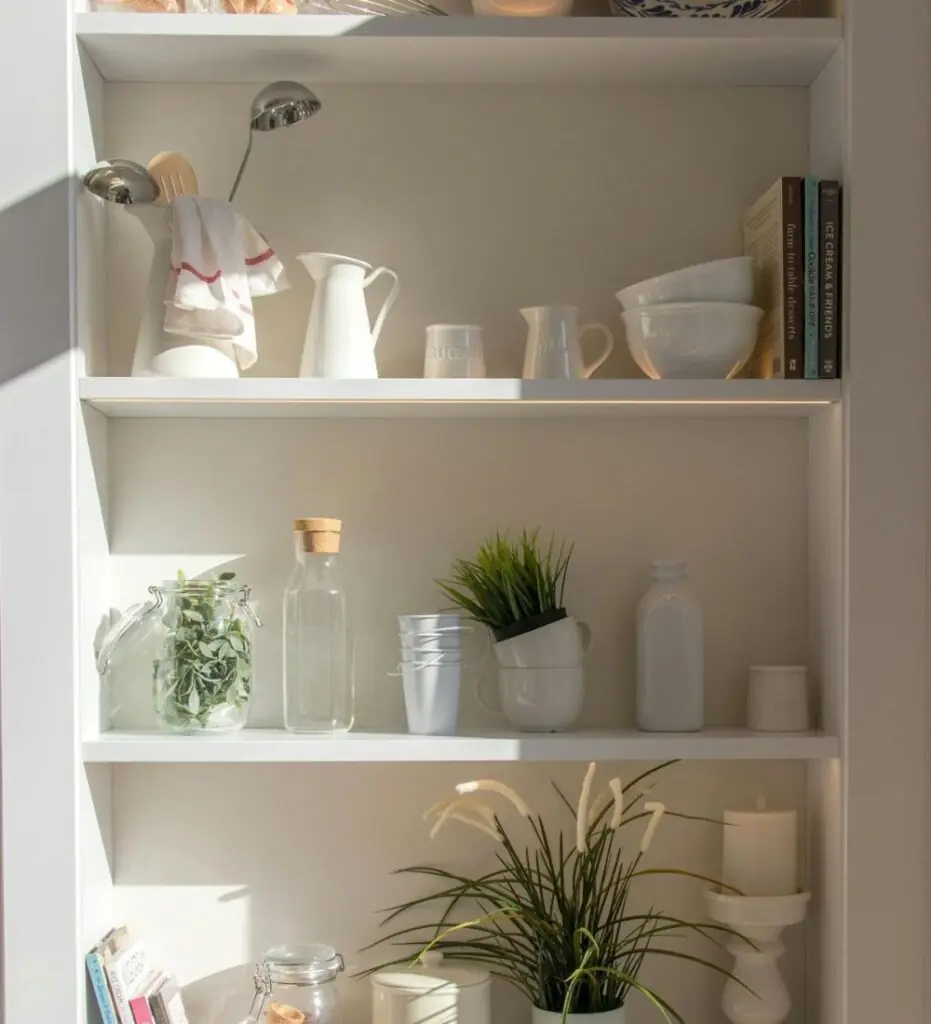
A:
264, 854
484, 199
215, 863
494, 200
728, 495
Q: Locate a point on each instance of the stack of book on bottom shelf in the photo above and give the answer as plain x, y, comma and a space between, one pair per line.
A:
794, 232
128, 989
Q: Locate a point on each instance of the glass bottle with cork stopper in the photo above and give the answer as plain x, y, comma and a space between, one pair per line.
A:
318, 681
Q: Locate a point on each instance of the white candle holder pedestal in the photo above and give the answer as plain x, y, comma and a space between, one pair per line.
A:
762, 920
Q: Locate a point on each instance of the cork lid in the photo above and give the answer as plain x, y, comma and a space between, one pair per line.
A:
318, 525
319, 536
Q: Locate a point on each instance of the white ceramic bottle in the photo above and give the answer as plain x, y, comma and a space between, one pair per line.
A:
670, 654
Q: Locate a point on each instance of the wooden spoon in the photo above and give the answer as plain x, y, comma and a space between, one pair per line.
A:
175, 176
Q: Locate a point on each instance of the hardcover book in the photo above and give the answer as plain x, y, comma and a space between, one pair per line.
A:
774, 234
98, 977
167, 1005
127, 966
829, 256
141, 1004
812, 288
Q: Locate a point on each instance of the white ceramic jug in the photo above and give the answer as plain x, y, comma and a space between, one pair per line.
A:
339, 341
157, 352
553, 344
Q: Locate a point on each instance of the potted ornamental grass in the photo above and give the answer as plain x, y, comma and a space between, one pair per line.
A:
512, 586
516, 588
554, 917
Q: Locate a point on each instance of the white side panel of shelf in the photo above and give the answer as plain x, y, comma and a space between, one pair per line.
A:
884, 790
278, 746
290, 397
341, 48
42, 868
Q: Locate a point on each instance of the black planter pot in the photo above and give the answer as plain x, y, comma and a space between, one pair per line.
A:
528, 625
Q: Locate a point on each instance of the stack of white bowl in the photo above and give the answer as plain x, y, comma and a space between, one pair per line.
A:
695, 323
431, 670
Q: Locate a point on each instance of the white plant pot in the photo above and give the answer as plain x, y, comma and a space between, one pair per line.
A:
562, 644
541, 699
608, 1017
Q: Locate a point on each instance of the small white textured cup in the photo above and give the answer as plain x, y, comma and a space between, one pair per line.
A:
454, 350
777, 699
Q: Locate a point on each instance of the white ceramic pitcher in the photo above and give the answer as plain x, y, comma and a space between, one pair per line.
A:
553, 349
339, 341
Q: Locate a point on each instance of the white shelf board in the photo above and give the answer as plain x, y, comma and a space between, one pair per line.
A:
275, 745
344, 48
271, 397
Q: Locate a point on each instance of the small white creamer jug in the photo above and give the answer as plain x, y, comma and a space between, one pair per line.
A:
553, 344
339, 342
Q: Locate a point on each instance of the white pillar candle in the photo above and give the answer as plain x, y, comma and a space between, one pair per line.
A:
760, 852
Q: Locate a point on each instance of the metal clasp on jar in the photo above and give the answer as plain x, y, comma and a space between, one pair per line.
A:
245, 592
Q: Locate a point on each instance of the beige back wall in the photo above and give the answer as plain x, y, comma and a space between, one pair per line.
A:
500, 197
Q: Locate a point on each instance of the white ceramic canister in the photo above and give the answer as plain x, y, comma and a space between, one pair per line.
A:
158, 352
454, 350
554, 1017
670, 654
438, 992
777, 699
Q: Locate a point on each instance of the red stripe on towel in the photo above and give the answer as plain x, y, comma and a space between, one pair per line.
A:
252, 261
197, 273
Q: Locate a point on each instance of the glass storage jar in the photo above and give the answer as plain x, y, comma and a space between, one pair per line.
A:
195, 636
295, 985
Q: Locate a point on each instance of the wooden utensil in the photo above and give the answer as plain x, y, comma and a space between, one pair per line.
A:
175, 176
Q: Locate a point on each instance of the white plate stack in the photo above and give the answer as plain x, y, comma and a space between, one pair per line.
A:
431, 670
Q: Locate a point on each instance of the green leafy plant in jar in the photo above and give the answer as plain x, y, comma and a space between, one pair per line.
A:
203, 674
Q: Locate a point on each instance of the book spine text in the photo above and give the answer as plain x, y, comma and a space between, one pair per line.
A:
793, 292
812, 302
101, 990
829, 280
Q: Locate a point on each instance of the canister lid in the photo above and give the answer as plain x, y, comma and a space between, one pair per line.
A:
425, 977
301, 965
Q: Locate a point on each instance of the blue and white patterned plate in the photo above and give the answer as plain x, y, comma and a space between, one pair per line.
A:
698, 8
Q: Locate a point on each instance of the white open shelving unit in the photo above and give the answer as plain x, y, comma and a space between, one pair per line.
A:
256, 746
541, 51
276, 397
494, 163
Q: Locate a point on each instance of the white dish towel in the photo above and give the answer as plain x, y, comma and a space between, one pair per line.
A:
218, 263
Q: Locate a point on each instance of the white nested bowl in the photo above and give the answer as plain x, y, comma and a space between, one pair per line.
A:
729, 280
692, 340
